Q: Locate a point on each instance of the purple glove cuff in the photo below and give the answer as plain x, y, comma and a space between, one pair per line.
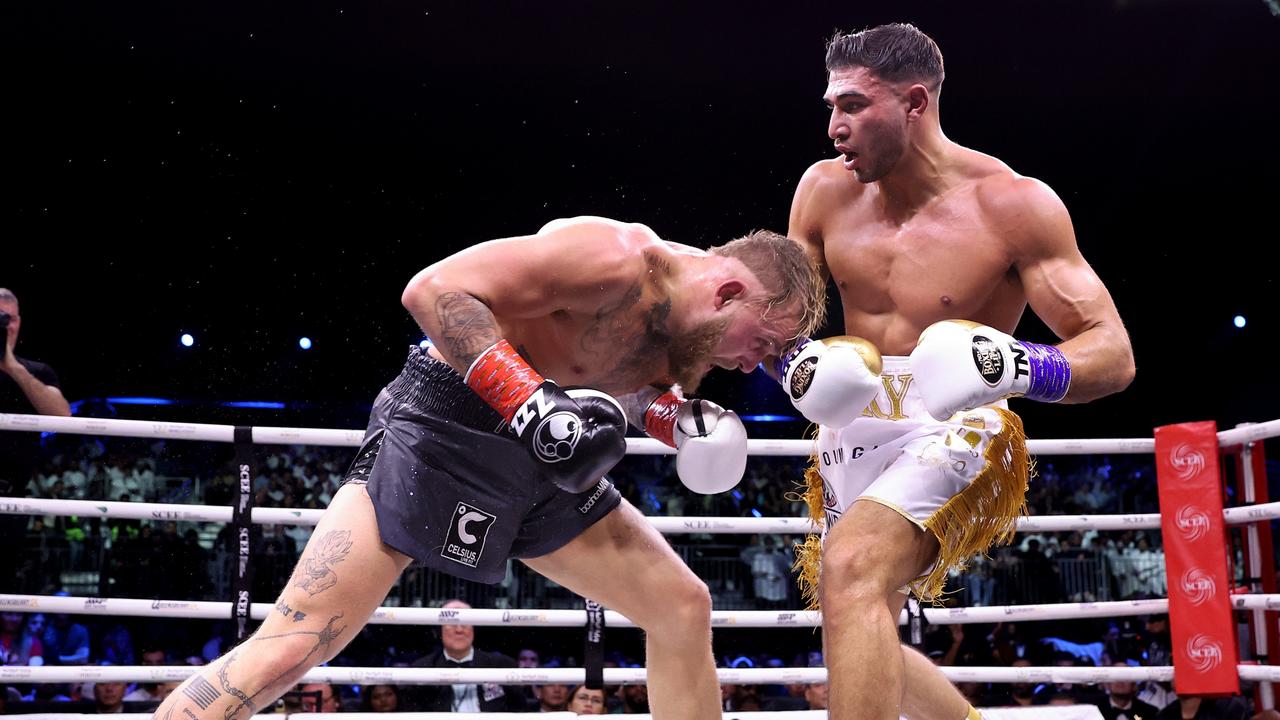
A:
781, 362
1050, 373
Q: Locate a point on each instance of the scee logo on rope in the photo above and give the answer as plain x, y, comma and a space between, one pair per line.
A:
467, 533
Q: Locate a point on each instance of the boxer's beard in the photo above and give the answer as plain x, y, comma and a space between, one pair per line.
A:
689, 353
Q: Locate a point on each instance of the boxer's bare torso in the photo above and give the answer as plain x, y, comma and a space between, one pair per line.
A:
956, 256
622, 300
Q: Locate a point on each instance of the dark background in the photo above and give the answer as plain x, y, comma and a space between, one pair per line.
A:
254, 173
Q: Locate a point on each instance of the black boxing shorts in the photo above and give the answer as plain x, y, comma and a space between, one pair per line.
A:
452, 487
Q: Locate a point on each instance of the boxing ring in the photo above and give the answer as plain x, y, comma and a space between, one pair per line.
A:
1243, 442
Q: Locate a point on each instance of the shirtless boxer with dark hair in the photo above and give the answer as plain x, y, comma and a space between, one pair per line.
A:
937, 250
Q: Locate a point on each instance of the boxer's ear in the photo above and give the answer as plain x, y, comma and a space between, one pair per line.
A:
917, 99
729, 290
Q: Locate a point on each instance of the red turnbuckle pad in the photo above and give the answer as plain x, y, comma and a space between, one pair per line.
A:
660, 418
503, 378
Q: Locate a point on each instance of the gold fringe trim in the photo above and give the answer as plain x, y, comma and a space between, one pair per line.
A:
808, 563
985, 512
980, 516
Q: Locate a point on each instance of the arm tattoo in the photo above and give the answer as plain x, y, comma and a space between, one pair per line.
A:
315, 574
324, 638
467, 326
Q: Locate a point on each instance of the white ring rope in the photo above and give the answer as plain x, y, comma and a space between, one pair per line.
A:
541, 676
612, 676
664, 524
200, 609
639, 446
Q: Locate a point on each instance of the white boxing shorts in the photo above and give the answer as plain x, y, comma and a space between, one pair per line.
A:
964, 480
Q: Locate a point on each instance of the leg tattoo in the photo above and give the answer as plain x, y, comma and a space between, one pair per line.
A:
324, 638
315, 574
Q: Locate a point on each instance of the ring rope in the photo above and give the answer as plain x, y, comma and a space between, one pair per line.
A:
641, 446
612, 676
664, 524
200, 609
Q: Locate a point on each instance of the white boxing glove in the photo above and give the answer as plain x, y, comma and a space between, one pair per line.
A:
960, 365
710, 442
831, 381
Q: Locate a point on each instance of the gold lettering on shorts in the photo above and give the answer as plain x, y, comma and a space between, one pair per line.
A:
895, 389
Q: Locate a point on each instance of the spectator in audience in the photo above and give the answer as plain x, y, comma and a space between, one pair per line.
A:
815, 696
164, 688
26, 386
527, 658
318, 697
144, 692
635, 699
1088, 694
380, 698
585, 701
458, 650
1121, 703
1195, 707
116, 646
771, 572
17, 645
65, 642
1021, 694
36, 624
742, 698
108, 697
551, 698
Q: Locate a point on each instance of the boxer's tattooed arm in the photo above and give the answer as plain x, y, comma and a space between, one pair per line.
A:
315, 572
318, 652
467, 327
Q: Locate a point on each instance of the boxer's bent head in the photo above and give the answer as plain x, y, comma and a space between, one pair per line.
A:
783, 298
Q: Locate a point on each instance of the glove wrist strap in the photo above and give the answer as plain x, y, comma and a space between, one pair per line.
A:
502, 378
1050, 373
660, 418
781, 362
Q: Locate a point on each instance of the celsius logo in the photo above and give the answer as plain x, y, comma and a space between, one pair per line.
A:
1186, 461
1198, 586
1193, 522
465, 541
1204, 653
